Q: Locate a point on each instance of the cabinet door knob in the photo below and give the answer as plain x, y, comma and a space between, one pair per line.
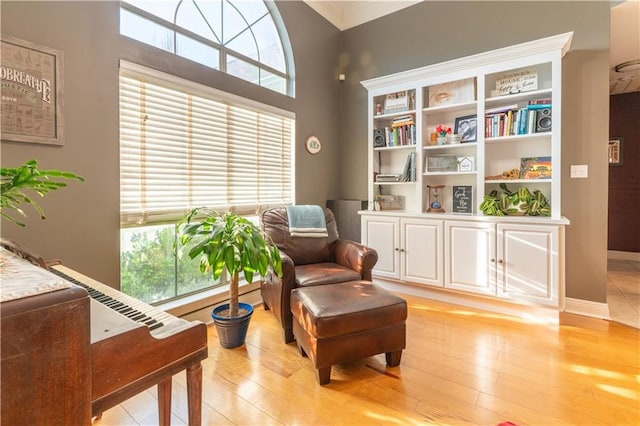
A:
493, 260
500, 261
396, 249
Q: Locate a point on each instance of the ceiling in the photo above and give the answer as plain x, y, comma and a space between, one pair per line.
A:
625, 30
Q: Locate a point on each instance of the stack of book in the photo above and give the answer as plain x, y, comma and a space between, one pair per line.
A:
516, 120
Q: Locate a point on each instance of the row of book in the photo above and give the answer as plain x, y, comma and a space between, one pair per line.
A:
510, 120
401, 132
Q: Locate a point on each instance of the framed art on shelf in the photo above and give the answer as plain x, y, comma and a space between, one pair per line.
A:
467, 128
32, 90
517, 82
535, 168
396, 102
462, 199
615, 152
453, 92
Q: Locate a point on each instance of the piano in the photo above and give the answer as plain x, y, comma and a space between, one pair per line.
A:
72, 347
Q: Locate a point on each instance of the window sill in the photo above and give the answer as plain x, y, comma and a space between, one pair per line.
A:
209, 298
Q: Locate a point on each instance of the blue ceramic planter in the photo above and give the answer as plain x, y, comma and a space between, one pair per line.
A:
232, 331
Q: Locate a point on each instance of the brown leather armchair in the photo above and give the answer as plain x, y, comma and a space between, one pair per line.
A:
308, 261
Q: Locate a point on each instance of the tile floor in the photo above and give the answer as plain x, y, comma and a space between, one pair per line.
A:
623, 291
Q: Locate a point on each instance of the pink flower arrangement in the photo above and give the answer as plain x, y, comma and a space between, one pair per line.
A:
443, 130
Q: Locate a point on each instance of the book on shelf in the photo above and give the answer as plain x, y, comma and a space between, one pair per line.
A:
501, 109
539, 101
531, 121
403, 120
409, 172
538, 106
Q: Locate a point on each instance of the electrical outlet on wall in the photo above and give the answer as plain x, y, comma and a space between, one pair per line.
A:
580, 171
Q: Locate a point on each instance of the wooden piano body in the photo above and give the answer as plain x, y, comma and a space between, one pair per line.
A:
67, 357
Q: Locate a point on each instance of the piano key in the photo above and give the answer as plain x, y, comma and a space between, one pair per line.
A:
133, 309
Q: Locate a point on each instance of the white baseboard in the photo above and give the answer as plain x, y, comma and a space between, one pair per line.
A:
623, 255
528, 313
587, 308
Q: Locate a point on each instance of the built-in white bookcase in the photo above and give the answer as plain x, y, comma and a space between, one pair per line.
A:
513, 96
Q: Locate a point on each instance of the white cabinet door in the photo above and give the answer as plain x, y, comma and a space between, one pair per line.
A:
421, 251
527, 266
470, 257
381, 233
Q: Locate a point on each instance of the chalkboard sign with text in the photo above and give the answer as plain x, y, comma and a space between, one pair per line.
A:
462, 199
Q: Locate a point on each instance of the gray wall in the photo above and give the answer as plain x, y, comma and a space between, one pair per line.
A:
82, 225
432, 32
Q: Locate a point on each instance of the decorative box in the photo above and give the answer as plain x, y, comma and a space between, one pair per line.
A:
442, 163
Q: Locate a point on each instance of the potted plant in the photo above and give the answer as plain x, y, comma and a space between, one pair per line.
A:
522, 202
231, 243
14, 181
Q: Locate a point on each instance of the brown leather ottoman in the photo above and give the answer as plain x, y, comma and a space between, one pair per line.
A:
345, 322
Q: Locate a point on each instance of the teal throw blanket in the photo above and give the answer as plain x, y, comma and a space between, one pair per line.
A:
307, 221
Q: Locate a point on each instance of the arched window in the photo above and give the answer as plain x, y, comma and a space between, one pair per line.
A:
246, 39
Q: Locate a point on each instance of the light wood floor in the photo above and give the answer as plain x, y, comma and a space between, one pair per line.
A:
461, 367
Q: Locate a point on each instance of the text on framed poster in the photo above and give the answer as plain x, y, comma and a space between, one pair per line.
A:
31, 78
521, 81
462, 198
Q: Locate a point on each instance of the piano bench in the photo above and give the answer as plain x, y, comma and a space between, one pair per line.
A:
344, 322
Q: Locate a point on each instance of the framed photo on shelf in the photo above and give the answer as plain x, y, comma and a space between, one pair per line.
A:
396, 102
535, 168
453, 92
32, 91
467, 128
615, 152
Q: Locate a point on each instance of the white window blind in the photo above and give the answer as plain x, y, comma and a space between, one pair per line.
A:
184, 145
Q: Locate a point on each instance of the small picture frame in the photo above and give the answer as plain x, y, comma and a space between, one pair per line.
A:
615, 152
467, 128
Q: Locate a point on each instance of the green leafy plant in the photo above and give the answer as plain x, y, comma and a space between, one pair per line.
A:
226, 241
507, 202
15, 181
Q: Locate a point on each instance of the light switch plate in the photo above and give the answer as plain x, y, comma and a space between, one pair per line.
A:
580, 171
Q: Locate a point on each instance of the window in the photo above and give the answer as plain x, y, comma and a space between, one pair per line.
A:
184, 145
243, 38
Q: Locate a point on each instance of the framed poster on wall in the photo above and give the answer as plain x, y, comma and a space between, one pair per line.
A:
32, 89
615, 152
